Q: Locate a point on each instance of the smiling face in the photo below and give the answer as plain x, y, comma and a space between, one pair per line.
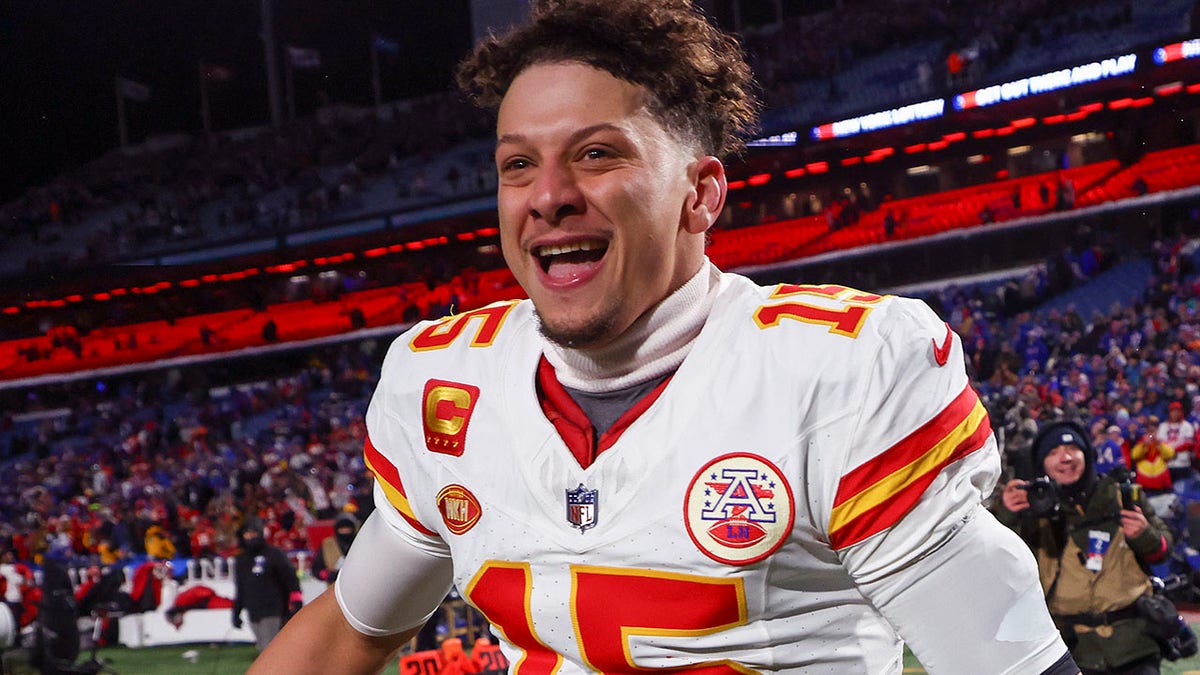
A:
1064, 464
602, 209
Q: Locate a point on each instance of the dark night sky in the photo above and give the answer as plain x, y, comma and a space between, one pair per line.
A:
58, 59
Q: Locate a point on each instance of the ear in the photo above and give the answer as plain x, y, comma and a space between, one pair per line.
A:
707, 198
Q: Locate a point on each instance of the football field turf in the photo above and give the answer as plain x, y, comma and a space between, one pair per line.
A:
234, 659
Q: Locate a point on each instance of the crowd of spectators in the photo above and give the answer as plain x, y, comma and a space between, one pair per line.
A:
177, 189
971, 43
1130, 375
170, 464
167, 466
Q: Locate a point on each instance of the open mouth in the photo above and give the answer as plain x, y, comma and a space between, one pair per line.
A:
563, 260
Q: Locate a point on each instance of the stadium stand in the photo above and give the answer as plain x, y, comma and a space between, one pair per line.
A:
233, 383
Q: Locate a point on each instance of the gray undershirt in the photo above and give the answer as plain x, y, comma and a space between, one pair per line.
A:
605, 408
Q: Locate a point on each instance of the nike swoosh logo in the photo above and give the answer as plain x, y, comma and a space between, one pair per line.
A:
941, 354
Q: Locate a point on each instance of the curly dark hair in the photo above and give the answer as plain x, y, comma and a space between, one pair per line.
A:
700, 84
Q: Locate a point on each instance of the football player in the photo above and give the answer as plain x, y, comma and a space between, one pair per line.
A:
652, 464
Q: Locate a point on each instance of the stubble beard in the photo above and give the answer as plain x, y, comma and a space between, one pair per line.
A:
578, 337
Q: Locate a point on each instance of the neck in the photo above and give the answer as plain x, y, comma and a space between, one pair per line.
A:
652, 347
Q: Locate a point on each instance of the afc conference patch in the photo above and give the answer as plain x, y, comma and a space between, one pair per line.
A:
738, 509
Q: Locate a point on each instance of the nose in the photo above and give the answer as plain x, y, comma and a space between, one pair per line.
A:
555, 194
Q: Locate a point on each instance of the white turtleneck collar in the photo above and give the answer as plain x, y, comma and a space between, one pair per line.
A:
652, 347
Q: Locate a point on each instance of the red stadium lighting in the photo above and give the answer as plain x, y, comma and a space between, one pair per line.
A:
794, 173
1193, 88
102, 297
1091, 107
759, 179
414, 246
1005, 131
939, 145
1076, 116
209, 278
189, 283
488, 231
1168, 89
910, 149
737, 184
872, 158
955, 137
983, 133
465, 236
851, 161
75, 297
1142, 102
376, 252
1054, 119
1117, 104
817, 167
1024, 122
12, 310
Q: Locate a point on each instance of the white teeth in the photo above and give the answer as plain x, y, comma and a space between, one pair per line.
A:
559, 249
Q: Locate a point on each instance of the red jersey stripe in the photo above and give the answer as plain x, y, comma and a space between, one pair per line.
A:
908, 449
389, 479
877, 494
884, 507
888, 512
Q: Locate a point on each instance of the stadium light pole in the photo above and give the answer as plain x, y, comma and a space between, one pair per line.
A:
268, 38
376, 85
122, 129
205, 111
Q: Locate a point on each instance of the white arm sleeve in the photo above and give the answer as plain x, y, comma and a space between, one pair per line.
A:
388, 583
974, 605
908, 523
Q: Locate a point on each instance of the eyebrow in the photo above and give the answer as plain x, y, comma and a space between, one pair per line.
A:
576, 136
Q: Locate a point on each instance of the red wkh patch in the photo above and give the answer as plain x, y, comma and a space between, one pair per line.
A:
445, 415
459, 508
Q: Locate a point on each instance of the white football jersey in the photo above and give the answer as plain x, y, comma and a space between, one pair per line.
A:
802, 476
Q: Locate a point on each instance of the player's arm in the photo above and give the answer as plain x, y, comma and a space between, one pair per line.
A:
907, 519
393, 579
319, 639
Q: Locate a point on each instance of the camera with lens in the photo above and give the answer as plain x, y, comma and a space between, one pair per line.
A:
1131, 492
1043, 497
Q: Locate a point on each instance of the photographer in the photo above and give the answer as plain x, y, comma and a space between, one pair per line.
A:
1093, 537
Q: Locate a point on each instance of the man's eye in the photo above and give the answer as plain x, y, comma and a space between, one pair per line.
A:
596, 153
515, 164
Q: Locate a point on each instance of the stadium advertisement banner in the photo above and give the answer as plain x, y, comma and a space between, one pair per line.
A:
777, 140
883, 119
1046, 82
1177, 52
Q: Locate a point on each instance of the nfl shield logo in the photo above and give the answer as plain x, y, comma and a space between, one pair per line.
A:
581, 507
